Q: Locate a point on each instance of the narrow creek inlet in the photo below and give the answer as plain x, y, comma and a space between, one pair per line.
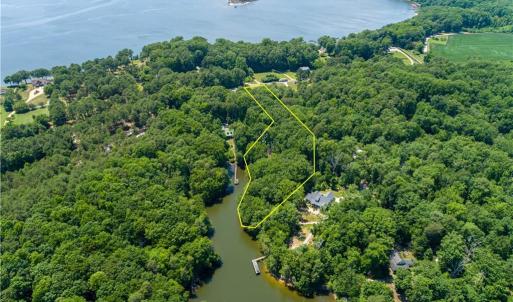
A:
235, 280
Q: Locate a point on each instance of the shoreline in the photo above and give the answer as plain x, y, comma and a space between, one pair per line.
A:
25, 58
289, 289
415, 6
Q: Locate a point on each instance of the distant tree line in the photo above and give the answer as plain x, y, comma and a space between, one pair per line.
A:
22, 76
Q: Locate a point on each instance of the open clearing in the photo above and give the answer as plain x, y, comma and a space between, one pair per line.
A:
26, 118
402, 57
38, 100
260, 75
290, 76
408, 57
37, 97
485, 46
287, 74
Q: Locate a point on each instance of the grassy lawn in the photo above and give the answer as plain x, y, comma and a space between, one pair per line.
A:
402, 57
40, 100
26, 118
3, 116
485, 46
260, 75
415, 55
438, 40
340, 193
24, 93
291, 74
309, 217
281, 75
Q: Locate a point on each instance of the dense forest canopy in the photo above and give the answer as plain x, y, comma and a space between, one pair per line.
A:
105, 198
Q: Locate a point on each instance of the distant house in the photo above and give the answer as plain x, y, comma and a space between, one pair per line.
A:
107, 148
3, 91
228, 132
303, 73
397, 262
40, 82
364, 185
320, 200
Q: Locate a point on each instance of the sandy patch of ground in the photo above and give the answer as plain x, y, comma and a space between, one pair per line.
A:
34, 93
309, 218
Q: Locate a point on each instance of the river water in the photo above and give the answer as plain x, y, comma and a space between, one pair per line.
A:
236, 281
46, 33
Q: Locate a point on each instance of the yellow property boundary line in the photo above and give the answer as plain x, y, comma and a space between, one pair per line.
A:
242, 225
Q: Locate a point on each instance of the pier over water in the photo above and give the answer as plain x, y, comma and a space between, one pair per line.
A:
255, 264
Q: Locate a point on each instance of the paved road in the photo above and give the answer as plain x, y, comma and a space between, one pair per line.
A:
412, 59
34, 93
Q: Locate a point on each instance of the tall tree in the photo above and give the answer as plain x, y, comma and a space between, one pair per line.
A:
57, 110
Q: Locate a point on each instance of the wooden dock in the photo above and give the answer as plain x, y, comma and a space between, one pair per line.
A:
235, 179
231, 142
255, 264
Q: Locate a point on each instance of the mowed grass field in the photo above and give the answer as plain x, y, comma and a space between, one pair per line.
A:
485, 46
26, 118
402, 57
40, 100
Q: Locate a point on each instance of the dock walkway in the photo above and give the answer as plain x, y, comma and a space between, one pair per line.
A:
231, 142
255, 264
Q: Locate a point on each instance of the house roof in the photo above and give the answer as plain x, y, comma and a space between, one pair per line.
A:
227, 130
319, 199
40, 81
397, 262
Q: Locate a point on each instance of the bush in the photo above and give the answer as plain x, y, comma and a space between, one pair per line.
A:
21, 107
375, 291
271, 77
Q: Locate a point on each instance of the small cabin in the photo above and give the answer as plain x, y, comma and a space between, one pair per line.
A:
228, 132
303, 73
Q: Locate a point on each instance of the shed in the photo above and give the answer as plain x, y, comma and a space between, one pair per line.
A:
303, 73
228, 132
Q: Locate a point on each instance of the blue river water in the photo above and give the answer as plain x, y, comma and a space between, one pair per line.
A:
46, 33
